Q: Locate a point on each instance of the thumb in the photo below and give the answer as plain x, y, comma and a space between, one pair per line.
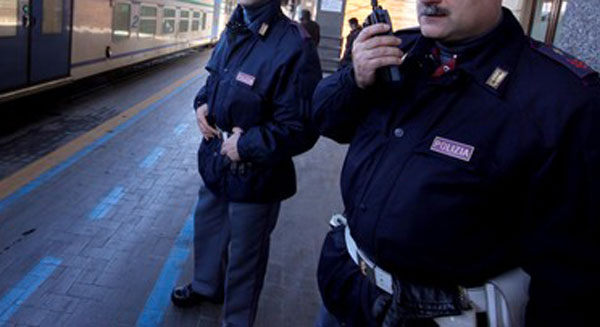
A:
237, 130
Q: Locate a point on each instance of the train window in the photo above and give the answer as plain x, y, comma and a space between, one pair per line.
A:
146, 11
147, 21
184, 22
121, 21
168, 21
196, 21
203, 21
8, 17
52, 17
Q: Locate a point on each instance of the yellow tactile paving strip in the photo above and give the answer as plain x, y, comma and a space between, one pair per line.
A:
32, 171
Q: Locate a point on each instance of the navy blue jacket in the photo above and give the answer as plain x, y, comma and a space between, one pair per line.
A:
262, 77
492, 165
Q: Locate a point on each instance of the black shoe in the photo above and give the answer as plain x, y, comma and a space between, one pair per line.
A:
184, 297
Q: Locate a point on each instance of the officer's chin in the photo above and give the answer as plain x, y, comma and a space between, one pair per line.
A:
433, 31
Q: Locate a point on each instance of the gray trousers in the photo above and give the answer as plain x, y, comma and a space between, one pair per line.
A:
231, 250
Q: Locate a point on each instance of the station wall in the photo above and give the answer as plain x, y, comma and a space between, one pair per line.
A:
579, 31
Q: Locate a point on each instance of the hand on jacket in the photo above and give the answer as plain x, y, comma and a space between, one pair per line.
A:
371, 52
229, 147
207, 131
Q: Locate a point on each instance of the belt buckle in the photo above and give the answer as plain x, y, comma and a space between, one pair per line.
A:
375, 275
365, 268
224, 135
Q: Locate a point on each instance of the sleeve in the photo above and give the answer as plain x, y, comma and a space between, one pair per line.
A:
338, 105
350, 43
288, 132
563, 248
318, 34
347, 58
201, 97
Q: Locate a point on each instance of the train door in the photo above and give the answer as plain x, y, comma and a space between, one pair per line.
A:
35, 37
14, 37
50, 39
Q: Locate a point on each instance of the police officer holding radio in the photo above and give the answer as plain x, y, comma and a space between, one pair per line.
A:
482, 157
253, 114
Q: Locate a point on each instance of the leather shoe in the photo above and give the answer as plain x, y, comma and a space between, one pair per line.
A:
184, 297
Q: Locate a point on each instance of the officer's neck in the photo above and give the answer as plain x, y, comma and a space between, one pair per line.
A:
255, 10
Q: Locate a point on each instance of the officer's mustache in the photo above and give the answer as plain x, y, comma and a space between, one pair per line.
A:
433, 10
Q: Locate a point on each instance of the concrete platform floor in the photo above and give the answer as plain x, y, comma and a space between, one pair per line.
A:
96, 194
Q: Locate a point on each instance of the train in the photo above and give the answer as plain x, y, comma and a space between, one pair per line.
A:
48, 43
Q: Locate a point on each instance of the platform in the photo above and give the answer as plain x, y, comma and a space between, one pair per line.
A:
95, 204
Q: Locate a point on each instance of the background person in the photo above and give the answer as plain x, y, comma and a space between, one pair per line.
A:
311, 26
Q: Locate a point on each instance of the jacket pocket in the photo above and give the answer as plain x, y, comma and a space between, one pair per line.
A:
474, 158
212, 166
244, 106
247, 181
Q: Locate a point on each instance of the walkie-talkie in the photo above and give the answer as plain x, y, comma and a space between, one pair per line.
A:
380, 15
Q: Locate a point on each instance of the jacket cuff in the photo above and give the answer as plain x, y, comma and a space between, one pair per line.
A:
349, 83
243, 147
198, 103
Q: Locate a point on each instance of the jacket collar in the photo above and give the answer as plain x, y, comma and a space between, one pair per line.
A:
261, 24
490, 63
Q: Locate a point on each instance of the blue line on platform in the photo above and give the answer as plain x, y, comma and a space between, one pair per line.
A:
152, 158
10, 303
159, 299
107, 203
26, 189
180, 129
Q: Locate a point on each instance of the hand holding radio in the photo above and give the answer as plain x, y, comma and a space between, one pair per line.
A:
371, 52
376, 50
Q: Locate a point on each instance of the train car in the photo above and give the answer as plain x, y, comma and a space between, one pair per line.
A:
44, 44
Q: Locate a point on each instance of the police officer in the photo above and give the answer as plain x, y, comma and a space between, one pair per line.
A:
482, 158
252, 113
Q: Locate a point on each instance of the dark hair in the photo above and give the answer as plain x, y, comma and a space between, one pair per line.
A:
352, 21
305, 14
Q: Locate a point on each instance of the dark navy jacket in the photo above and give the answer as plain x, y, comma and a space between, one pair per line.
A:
493, 165
261, 79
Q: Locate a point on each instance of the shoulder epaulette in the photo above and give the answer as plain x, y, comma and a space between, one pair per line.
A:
578, 67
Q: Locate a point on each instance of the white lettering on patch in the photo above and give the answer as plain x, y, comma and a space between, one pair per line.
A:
245, 78
452, 148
